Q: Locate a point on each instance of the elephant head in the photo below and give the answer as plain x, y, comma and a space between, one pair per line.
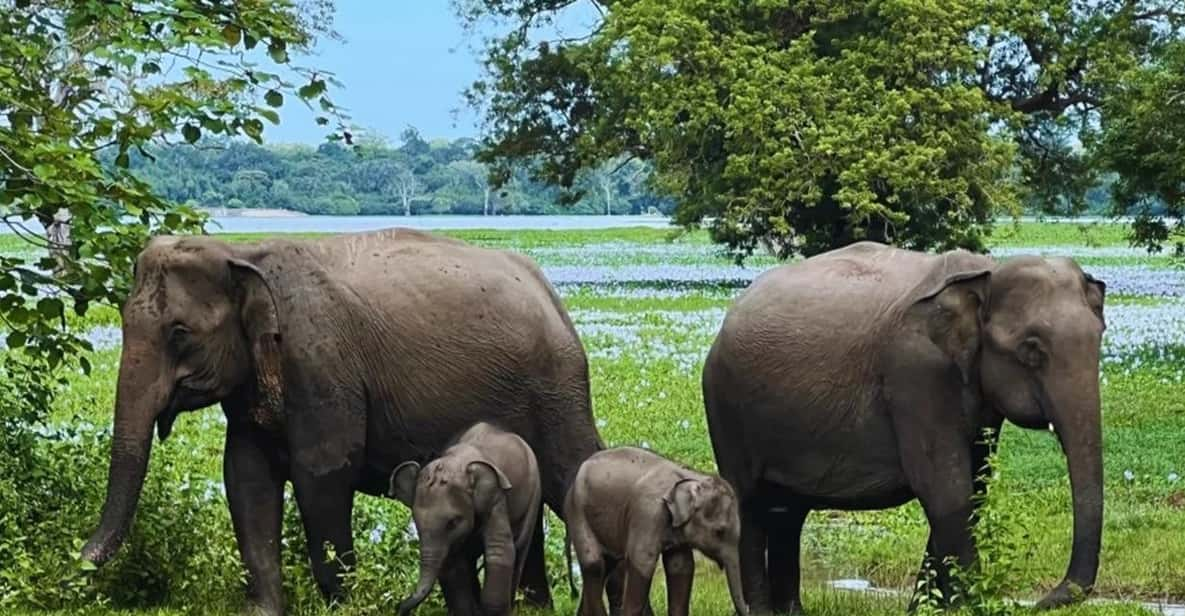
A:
1028, 331
704, 515
199, 327
449, 500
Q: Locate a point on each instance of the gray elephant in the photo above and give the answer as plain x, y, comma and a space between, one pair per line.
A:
481, 497
335, 360
865, 377
627, 507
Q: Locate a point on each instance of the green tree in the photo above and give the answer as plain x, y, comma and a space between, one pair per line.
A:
1142, 140
806, 125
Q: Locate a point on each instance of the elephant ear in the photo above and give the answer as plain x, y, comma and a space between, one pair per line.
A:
261, 324
681, 501
1096, 293
403, 482
953, 314
487, 483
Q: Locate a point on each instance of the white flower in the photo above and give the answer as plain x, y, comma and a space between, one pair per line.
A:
645, 444
1173, 477
1128, 475
684, 424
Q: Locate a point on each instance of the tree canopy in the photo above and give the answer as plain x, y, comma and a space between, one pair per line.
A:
807, 125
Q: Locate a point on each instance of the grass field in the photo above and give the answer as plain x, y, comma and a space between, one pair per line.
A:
647, 304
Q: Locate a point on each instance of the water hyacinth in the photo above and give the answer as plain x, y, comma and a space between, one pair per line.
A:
731, 275
1135, 280
1072, 251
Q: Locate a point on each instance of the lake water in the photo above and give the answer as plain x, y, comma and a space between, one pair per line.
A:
347, 224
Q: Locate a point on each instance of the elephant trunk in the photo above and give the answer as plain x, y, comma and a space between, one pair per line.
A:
431, 560
136, 406
1081, 438
732, 571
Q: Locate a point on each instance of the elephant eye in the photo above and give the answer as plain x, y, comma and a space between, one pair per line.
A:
454, 522
1031, 352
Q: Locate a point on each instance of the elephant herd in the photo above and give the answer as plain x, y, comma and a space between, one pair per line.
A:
451, 377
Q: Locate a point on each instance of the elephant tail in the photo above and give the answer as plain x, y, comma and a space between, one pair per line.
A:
568, 562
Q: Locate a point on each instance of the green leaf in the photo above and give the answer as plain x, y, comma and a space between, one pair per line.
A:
278, 51
50, 307
191, 133
274, 98
254, 129
312, 89
231, 34
322, 120
270, 115
122, 160
15, 339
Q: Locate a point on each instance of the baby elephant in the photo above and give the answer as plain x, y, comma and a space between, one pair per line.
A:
627, 506
481, 496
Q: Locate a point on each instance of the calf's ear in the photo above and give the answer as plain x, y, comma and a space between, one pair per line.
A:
403, 482
681, 501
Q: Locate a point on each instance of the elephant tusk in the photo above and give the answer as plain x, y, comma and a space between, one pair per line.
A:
1051, 428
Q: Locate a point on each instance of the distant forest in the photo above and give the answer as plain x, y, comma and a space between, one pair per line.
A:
376, 178
416, 177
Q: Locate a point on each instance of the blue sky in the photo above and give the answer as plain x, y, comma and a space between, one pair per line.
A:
403, 62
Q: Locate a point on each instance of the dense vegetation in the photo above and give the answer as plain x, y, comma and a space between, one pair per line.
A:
806, 125
374, 177
646, 308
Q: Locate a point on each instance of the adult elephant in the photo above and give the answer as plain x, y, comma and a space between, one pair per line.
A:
865, 377
335, 360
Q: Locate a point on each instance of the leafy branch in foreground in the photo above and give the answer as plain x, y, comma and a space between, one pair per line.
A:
81, 79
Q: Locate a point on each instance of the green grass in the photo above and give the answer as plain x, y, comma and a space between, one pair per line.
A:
645, 353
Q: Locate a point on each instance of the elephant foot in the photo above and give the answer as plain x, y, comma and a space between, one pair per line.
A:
1066, 593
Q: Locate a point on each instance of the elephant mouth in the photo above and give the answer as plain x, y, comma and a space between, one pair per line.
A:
165, 419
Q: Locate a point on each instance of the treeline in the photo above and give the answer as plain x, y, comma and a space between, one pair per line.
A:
376, 178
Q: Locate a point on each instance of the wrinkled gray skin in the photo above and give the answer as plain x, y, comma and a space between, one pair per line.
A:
480, 497
630, 506
864, 377
334, 361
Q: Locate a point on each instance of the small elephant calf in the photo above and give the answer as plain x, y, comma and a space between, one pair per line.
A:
627, 506
481, 496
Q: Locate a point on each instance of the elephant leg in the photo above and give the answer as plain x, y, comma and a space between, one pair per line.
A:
615, 590
679, 566
326, 507
458, 584
943, 485
255, 492
784, 552
753, 542
533, 582
639, 574
592, 588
